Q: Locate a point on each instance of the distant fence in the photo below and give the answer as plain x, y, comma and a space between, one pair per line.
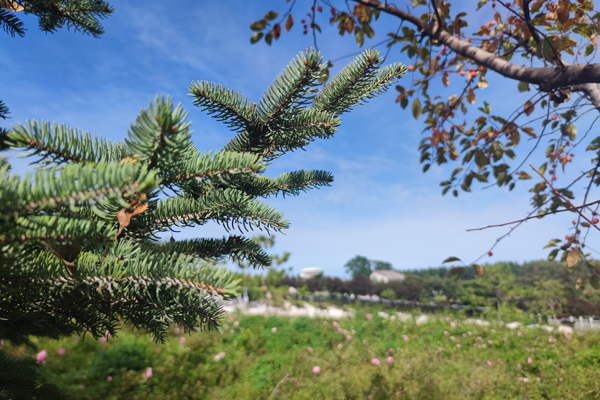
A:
588, 322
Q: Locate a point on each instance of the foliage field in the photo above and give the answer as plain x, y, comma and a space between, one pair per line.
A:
261, 357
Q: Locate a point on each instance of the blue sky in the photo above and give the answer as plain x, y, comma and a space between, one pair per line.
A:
380, 205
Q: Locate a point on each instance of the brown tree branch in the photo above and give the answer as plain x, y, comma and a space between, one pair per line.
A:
533, 217
547, 78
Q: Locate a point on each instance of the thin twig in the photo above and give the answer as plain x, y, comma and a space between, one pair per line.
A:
564, 198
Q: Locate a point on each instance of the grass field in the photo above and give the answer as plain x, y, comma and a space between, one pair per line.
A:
367, 357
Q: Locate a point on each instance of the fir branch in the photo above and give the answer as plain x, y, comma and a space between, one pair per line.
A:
11, 24
224, 104
226, 207
237, 247
291, 88
295, 182
60, 144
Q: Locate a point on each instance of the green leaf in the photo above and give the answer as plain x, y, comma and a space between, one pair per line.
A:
542, 169
552, 242
450, 259
589, 49
523, 86
258, 25
455, 272
271, 15
594, 282
426, 167
404, 103
360, 36
269, 38
416, 109
553, 254
256, 37
368, 30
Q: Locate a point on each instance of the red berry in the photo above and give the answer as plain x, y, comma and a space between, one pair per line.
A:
490, 253
551, 171
481, 69
565, 132
438, 57
572, 155
156, 118
305, 63
474, 73
332, 10
303, 21
410, 67
569, 159
305, 32
508, 4
462, 73
312, 8
554, 178
595, 221
578, 230
574, 222
552, 153
320, 8
582, 244
554, 116
567, 237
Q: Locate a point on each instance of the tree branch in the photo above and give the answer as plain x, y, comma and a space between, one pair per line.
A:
547, 78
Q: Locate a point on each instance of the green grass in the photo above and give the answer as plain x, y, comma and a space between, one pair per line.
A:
259, 363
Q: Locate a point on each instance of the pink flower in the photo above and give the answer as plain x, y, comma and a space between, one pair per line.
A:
452, 324
499, 360
505, 339
224, 326
231, 331
336, 324
316, 369
464, 335
1, 342
148, 373
364, 341
157, 350
102, 339
340, 330
489, 363
182, 339
41, 357
107, 334
369, 316
418, 323
324, 322
525, 379
340, 346
274, 330
519, 366
390, 359
519, 333
177, 330
348, 337
235, 323
529, 360
538, 379
81, 387
310, 349
493, 330
446, 333
83, 377
375, 362
440, 349
61, 351
76, 339
458, 346
109, 378
560, 379
451, 337
353, 332
483, 345
151, 339
389, 352
490, 342
520, 379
